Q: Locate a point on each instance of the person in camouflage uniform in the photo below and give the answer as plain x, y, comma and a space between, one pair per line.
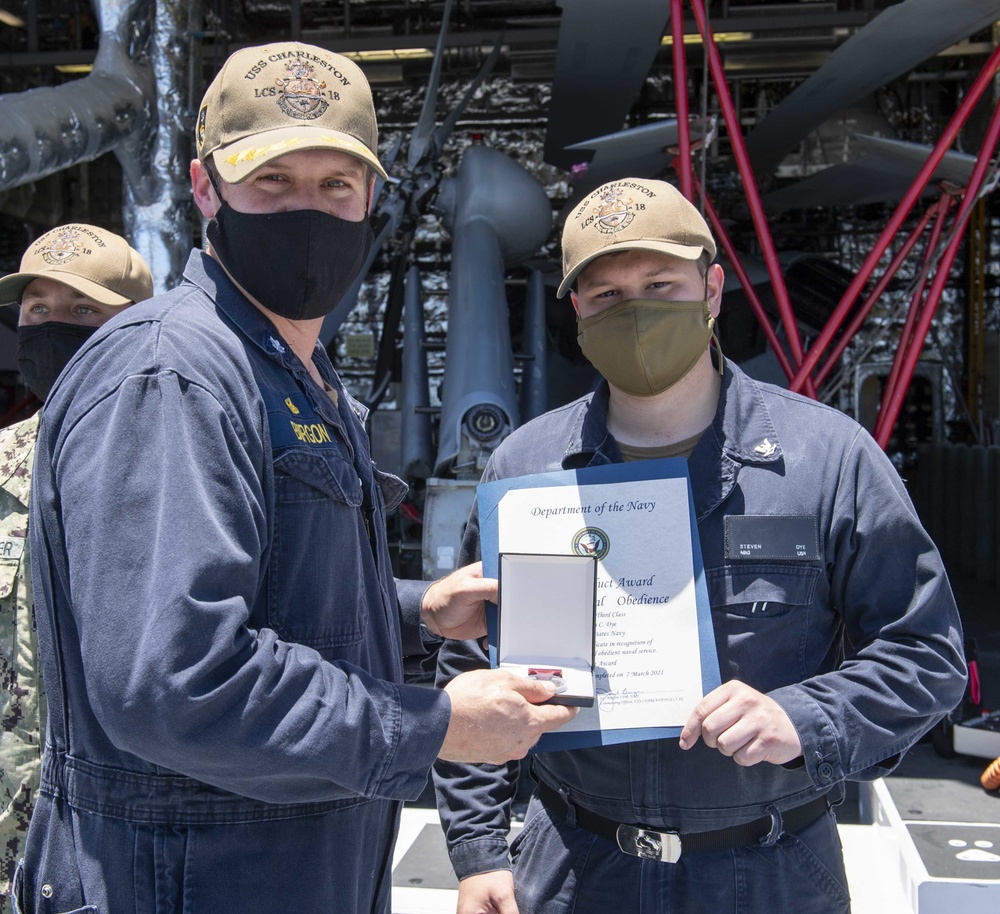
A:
20, 682
72, 279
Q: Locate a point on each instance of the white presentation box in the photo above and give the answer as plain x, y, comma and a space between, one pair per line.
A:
547, 611
979, 737
944, 867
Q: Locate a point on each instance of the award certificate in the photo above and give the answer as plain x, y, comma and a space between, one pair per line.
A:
655, 653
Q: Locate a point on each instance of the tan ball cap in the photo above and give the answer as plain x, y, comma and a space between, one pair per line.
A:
632, 214
288, 97
95, 262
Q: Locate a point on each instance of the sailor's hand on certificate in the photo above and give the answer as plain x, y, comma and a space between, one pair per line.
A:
744, 724
497, 716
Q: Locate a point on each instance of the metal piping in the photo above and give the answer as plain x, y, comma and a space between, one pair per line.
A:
916, 300
137, 103
887, 277
158, 205
893, 403
497, 214
767, 247
722, 236
51, 128
416, 450
836, 320
534, 368
684, 171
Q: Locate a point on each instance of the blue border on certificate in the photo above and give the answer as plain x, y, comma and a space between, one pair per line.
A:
488, 497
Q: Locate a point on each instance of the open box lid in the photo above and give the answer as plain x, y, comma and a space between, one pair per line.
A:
546, 616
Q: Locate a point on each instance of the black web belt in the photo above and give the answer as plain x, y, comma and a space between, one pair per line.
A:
665, 845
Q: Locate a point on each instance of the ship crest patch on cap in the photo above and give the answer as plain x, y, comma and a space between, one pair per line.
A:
615, 213
301, 93
66, 246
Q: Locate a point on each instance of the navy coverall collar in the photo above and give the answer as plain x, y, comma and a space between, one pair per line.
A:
742, 432
205, 272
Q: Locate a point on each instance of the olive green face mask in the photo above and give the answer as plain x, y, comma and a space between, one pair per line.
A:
645, 346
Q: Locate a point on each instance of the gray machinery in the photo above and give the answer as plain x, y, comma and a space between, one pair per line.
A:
497, 215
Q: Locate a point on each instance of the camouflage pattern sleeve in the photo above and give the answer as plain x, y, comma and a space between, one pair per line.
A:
21, 692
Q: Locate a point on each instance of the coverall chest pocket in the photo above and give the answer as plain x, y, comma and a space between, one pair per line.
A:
761, 616
321, 561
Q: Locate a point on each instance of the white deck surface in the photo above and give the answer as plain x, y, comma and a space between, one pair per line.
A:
872, 871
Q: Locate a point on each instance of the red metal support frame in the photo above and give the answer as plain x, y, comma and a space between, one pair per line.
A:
912, 315
750, 189
983, 81
891, 407
685, 171
741, 274
880, 287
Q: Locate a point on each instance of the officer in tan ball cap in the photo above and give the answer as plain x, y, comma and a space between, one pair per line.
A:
219, 610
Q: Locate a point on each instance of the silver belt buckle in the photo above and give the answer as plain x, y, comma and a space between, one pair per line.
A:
648, 844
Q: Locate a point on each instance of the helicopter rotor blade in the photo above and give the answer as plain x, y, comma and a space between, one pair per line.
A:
640, 152
390, 323
898, 39
883, 175
424, 131
448, 124
602, 62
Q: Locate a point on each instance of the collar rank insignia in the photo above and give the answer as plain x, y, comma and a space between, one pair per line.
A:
765, 448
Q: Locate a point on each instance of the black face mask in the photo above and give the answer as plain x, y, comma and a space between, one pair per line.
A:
297, 264
44, 350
